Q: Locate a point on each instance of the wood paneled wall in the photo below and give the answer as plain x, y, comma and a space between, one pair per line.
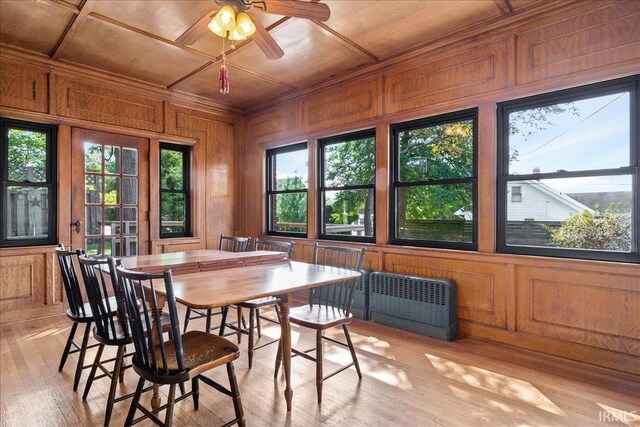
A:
584, 310
41, 90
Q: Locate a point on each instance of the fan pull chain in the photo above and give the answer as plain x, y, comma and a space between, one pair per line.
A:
223, 77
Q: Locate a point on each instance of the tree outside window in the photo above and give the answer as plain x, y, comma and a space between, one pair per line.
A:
434, 181
28, 191
287, 180
347, 186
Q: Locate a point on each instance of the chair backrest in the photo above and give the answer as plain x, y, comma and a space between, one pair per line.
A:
234, 244
71, 282
340, 294
274, 245
97, 283
152, 354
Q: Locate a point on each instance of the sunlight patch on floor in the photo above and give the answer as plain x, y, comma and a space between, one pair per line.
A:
45, 333
483, 379
382, 372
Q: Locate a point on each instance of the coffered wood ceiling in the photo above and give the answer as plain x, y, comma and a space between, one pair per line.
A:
148, 40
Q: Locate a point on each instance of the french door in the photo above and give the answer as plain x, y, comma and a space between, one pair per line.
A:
110, 198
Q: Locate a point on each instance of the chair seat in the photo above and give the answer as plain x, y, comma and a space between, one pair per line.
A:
89, 314
260, 302
202, 351
316, 317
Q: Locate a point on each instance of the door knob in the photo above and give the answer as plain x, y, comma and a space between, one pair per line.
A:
78, 225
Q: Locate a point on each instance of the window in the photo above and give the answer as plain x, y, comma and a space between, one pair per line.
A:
347, 166
516, 194
174, 190
434, 181
574, 154
287, 180
28, 193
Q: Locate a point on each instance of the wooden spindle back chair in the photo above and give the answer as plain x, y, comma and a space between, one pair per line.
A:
234, 243
110, 326
182, 358
227, 244
255, 305
336, 295
329, 305
78, 312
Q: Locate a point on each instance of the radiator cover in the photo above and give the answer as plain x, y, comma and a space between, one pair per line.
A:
419, 304
360, 306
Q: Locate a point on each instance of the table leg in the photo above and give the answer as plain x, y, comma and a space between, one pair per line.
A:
285, 341
155, 399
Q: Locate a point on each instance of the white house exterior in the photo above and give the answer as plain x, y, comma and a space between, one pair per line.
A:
535, 201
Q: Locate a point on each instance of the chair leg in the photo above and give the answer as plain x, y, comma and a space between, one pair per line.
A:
257, 322
278, 360
115, 376
319, 357
223, 322
187, 317
182, 390
352, 350
83, 351
92, 373
240, 323
235, 394
134, 403
195, 388
208, 325
67, 346
252, 313
168, 417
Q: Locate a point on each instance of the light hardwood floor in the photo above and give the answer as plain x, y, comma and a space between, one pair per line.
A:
409, 380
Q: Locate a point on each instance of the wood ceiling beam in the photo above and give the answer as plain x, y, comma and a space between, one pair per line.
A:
350, 44
74, 26
504, 6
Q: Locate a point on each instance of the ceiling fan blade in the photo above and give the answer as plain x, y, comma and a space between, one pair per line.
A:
297, 9
196, 31
265, 42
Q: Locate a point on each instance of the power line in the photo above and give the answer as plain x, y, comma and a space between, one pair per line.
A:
580, 122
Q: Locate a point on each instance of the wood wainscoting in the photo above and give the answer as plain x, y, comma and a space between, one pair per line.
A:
583, 310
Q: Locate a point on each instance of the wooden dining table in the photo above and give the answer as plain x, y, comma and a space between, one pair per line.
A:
218, 287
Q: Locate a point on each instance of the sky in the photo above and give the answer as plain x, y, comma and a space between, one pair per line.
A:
293, 163
595, 138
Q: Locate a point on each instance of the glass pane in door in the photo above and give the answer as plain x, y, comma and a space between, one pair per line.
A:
111, 200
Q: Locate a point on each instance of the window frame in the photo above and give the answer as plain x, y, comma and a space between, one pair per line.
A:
395, 183
322, 143
631, 84
51, 183
186, 188
270, 155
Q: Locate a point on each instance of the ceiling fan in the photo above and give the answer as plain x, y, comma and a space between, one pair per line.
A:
235, 21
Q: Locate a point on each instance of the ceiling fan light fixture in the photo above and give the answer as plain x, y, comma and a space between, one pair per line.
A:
216, 28
235, 35
244, 25
226, 18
